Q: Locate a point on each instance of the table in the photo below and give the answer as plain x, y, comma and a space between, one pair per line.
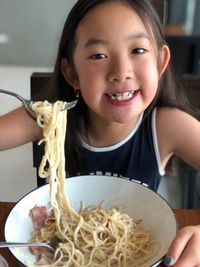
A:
184, 216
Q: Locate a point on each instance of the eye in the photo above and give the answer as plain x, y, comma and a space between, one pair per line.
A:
98, 56
138, 51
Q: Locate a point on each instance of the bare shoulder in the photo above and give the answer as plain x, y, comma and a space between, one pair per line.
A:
178, 133
166, 116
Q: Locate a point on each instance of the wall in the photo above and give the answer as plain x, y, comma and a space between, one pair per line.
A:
30, 30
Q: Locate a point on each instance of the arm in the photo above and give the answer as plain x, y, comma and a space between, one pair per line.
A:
179, 133
17, 128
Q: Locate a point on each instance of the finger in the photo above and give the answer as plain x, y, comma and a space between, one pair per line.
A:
178, 245
190, 255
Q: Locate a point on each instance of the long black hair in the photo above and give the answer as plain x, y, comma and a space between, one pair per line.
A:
60, 89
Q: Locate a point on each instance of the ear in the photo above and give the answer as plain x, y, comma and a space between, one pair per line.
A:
164, 59
69, 74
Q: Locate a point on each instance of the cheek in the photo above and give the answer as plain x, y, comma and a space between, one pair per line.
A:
90, 82
148, 72
88, 85
86, 74
149, 78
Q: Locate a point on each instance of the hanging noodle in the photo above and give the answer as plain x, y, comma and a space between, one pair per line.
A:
95, 236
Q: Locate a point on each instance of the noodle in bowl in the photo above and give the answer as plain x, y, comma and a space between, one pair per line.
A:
139, 202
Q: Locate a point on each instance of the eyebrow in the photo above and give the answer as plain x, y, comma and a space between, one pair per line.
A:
140, 35
96, 41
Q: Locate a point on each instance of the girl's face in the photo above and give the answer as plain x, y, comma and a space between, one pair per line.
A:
116, 63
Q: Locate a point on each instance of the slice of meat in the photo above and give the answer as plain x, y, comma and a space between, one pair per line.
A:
37, 251
39, 214
43, 255
45, 259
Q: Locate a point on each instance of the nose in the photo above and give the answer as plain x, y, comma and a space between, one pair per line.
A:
121, 69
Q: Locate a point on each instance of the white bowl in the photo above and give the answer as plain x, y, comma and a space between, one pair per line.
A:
141, 202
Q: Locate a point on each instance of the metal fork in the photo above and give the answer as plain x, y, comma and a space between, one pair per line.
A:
27, 102
29, 244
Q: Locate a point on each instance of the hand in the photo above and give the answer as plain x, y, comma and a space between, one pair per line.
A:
185, 248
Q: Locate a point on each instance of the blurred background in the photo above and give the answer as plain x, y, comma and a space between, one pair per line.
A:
30, 30
29, 36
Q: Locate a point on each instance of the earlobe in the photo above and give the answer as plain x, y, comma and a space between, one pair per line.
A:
164, 59
69, 74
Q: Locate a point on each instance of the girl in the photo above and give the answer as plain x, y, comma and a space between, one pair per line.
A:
113, 57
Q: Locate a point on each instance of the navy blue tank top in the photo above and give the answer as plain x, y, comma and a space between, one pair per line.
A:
136, 157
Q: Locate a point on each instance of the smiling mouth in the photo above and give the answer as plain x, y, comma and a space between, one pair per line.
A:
122, 96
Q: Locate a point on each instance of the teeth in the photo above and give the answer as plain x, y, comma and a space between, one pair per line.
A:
122, 96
